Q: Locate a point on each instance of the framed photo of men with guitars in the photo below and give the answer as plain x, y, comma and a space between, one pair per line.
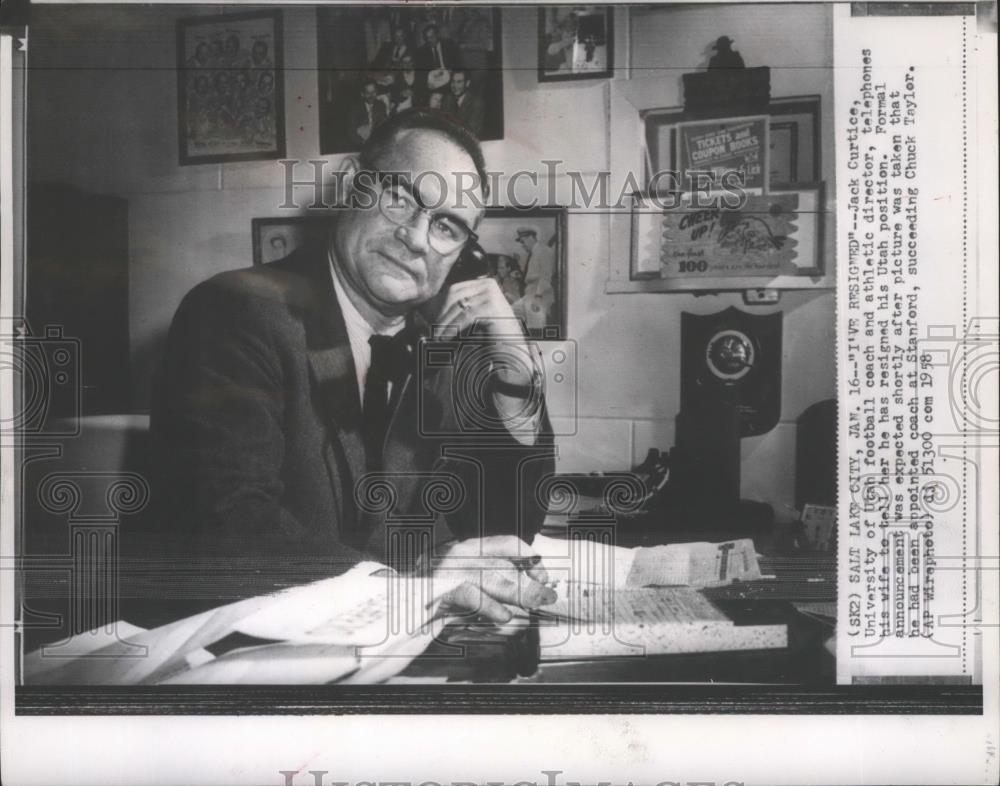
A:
444, 57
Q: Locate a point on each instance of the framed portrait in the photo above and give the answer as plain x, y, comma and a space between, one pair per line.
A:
275, 238
575, 42
526, 250
376, 61
230, 88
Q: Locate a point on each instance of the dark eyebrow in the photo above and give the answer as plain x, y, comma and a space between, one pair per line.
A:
404, 183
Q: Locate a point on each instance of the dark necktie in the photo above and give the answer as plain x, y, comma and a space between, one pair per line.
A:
391, 362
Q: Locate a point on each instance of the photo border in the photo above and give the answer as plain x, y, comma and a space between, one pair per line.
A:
607, 73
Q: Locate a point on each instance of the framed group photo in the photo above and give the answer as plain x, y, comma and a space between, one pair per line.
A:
377, 61
575, 42
230, 88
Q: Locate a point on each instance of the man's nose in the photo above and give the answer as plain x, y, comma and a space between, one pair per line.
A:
415, 234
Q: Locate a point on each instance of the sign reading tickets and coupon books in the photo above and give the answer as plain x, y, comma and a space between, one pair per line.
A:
726, 145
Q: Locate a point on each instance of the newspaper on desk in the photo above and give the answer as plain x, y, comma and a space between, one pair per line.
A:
362, 626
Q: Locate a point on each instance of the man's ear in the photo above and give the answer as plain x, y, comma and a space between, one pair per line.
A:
344, 180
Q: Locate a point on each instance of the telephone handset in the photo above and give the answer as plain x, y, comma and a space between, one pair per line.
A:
471, 264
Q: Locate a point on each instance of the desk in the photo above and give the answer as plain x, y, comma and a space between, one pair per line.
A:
798, 576
797, 579
491, 659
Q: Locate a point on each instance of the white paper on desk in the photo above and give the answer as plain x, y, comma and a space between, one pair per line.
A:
585, 561
649, 621
637, 606
143, 657
148, 657
311, 663
695, 564
678, 564
271, 664
40, 663
356, 609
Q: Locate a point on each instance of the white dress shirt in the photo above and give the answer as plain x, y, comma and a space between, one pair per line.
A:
358, 332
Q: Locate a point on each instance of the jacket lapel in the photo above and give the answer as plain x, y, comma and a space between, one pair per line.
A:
334, 380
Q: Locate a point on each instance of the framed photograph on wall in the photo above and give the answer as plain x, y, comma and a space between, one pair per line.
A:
575, 42
526, 250
276, 238
375, 61
230, 97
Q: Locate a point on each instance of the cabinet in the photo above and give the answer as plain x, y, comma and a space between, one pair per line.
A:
76, 279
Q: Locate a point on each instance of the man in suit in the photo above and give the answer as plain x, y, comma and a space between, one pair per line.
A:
409, 80
465, 104
539, 269
390, 55
437, 58
366, 115
289, 447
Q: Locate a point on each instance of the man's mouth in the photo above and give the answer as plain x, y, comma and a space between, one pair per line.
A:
410, 268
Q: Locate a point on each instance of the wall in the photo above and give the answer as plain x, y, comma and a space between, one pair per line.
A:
102, 115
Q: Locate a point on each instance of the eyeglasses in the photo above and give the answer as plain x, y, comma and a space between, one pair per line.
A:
445, 233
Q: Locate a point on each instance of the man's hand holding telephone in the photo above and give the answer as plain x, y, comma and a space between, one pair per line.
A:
472, 303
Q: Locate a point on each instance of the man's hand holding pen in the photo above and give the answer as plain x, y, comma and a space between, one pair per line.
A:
496, 570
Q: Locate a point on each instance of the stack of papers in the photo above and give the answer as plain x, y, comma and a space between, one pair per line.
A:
357, 627
675, 565
595, 623
614, 602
